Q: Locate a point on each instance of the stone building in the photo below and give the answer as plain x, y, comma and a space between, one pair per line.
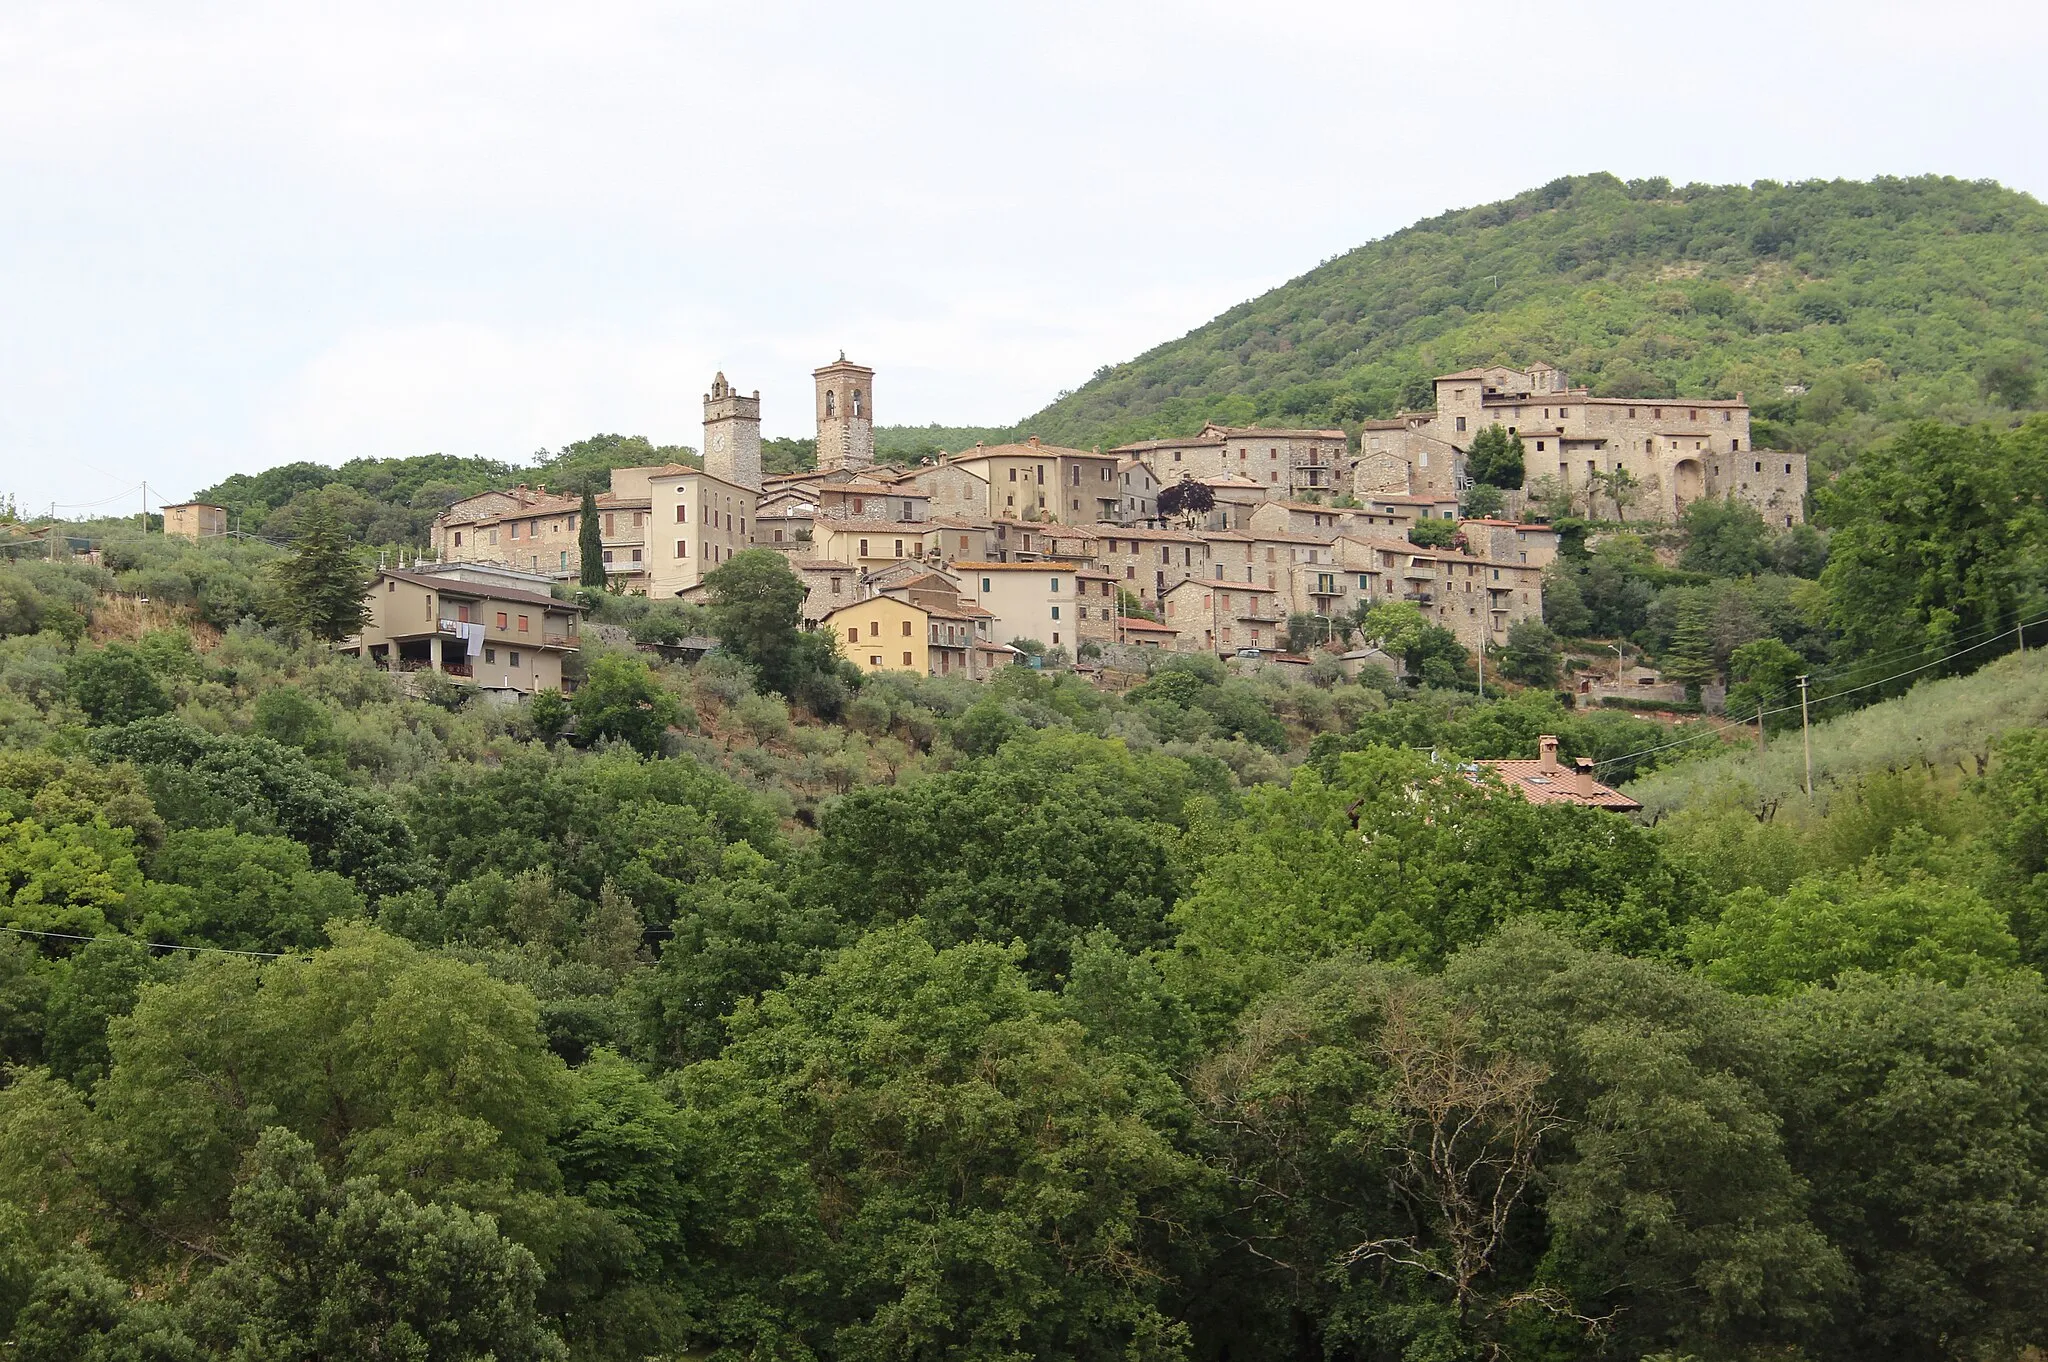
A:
1028, 481
1150, 561
195, 520
1291, 463
732, 435
1223, 617
1672, 451
846, 415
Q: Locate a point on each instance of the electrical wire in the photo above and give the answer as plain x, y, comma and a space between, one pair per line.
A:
152, 945
1697, 734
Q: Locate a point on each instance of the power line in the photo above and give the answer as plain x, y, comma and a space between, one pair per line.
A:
1697, 734
153, 945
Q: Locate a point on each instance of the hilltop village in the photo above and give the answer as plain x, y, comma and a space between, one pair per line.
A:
1203, 544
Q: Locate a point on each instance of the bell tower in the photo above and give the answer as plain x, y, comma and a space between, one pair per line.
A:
846, 415
732, 435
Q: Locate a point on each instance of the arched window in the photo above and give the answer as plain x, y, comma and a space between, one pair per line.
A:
831, 403
856, 401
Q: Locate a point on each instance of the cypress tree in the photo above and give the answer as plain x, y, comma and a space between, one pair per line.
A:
322, 586
589, 544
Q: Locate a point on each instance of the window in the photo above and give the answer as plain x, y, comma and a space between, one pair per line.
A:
1013, 475
606, 555
1176, 456
1563, 412
906, 628
853, 633
1760, 465
682, 548
522, 624
458, 539
1055, 636
832, 407
564, 560
636, 555
608, 522
906, 659
835, 586
963, 543
863, 548
874, 659
1788, 468
874, 628
856, 401
515, 531
682, 514
899, 548
490, 654
984, 584
501, 619
515, 657
1055, 584
1539, 446
1055, 612
390, 586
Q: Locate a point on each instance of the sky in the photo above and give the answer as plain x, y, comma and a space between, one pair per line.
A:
236, 235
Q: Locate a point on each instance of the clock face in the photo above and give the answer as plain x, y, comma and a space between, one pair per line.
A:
718, 440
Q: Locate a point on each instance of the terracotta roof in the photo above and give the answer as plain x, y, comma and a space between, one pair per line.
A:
1024, 451
1214, 585
1548, 781
880, 489
827, 523
1462, 373
1107, 531
1048, 565
1186, 442
1146, 626
1277, 432
819, 564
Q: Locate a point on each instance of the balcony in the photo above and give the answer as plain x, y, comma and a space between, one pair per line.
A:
1419, 572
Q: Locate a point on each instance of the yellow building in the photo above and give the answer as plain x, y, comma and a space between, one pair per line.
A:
195, 520
883, 634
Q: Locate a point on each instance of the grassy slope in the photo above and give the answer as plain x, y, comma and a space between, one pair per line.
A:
1892, 299
1938, 724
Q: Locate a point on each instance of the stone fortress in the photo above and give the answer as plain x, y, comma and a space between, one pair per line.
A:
1674, 450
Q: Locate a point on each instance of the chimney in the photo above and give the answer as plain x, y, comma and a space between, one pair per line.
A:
1585, 766
1546, 752
1034, 442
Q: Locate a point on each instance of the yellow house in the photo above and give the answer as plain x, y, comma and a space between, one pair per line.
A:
883, 635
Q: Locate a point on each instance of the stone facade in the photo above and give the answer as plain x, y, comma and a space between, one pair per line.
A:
195, 520
1290, 463
1674, 451
732, 435
846, 415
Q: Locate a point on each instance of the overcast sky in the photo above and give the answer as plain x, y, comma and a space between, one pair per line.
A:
234, 235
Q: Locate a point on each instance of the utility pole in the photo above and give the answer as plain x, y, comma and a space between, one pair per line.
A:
1806, 737
1759, 727
1618, 660
1482, 669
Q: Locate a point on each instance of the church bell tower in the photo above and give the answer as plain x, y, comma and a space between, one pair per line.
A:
846, 415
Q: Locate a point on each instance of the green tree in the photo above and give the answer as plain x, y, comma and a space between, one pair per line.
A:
1432, 534
78, 1312
1826, 926
757, 613
1761, 678
547, 715
1531, 656
219, 887
621, 699
1930, 539
322, 586
1495, 458
1724, 538
114, 685
1482, 501
320, 1270
1691, 659
975, 1181
1914, 1110
590, 569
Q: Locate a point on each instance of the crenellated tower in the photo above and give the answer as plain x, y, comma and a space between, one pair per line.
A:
732, 435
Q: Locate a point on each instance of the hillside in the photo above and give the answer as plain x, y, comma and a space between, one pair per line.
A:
1947, 724
1889, 300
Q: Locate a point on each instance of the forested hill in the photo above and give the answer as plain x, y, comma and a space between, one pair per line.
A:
1888, 300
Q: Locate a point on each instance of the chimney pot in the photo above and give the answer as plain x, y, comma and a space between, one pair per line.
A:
1546, 751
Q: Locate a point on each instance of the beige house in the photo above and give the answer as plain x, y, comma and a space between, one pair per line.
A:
703, 520
1039, 601
479, 634
195, 520
535, 530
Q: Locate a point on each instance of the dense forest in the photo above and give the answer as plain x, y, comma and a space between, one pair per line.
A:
750, 1008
